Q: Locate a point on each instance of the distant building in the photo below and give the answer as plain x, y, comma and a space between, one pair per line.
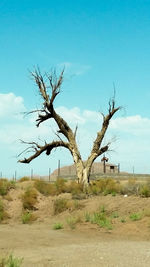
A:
97, 168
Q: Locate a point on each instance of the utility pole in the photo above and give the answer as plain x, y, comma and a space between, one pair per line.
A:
31, 174
118, 167
104, 160
58, 168
15, 175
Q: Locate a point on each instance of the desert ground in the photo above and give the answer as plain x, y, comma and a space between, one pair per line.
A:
126, 243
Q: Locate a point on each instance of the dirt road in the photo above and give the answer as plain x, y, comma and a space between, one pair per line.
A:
41, 246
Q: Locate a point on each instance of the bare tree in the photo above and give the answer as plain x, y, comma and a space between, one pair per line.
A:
53, 83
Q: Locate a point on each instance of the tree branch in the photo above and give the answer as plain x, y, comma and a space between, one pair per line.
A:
106, 120
40, 149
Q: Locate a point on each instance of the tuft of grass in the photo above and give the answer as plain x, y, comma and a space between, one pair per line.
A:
115, 215
29, 199
60, 205
58, 226
99, 218
72, 221
10, 261
135, 216
27, 217
87, 217
123, 220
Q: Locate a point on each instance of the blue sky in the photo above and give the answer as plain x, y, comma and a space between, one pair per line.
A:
99, 43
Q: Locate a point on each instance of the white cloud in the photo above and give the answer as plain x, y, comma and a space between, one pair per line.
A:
135, 125
11, 105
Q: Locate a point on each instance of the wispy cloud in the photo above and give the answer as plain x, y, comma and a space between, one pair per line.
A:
74, 69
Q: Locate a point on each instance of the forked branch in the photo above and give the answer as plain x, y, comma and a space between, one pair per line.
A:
37, 149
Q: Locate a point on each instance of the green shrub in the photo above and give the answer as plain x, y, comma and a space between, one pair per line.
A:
135, 216
58, 226
100, 219
10, 261
27, 217
60, 205
29, 199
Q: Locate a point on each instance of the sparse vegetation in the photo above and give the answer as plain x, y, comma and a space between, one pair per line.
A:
72, 221
135, 216
10, 261
100, 218
28, 217
58, 226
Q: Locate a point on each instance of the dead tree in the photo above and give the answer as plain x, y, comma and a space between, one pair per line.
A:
83, 168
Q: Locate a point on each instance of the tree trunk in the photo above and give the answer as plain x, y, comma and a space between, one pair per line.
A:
83, 173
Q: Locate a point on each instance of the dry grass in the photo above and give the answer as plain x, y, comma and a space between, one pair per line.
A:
29, 199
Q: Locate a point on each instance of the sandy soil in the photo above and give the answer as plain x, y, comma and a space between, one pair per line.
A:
41, 246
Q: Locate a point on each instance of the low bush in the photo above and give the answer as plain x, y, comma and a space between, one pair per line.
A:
60, 205
29, 199
58, 226
74, 188
105, 186
45, 188
145, 190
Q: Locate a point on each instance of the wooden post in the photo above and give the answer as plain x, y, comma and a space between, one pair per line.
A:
49, 174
